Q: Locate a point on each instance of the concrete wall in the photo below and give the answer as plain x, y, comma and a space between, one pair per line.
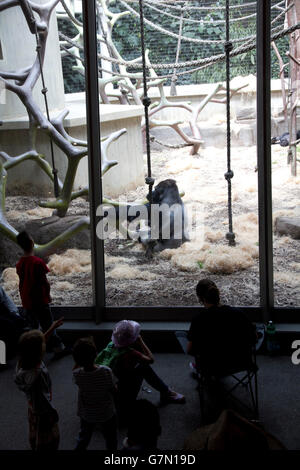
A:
28, 178
212, 119
19, 51
129, 173
245, 98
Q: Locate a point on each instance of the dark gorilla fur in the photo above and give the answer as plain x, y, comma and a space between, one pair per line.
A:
166, 192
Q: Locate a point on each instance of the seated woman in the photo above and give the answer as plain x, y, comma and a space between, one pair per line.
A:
11, 323
220, 337
130, 358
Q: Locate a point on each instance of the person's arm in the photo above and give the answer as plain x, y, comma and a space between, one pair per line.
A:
55, 324
41, 281
146, 354
190, 338
189, 348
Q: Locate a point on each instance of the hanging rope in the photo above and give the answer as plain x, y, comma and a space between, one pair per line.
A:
28, 13
146, 102
193, 63
169, 146
174, 77
171, 4
229, 174
183, 38
199, 21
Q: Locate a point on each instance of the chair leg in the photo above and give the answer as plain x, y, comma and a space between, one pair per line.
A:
201, 397
254, 394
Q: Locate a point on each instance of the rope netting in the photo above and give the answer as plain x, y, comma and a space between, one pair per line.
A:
187, 43
198, 30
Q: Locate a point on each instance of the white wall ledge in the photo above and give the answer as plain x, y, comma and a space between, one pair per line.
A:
77, 115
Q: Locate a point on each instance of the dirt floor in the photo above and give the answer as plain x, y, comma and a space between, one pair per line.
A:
170, 277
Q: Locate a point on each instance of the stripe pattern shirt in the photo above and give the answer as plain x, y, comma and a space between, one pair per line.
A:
95, 394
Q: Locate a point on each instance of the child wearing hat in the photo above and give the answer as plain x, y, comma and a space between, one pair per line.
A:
130, 359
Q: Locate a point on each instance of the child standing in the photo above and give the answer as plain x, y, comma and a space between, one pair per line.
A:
32, 378
35, 291
95, 397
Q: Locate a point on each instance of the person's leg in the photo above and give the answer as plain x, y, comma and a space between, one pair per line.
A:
129, 385
182, 339
147, 373
166, 394
85, 434
46, 319
31, 317
32, 424
109, 430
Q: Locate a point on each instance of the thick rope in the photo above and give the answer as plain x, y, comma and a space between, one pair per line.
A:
192, 63
164, 31
146, 102
26, 7
183, 38
229, 174
44, 91
190, 20
170, 146
170, 4
174, 76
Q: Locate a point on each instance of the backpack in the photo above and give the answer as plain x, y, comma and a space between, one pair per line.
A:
110, 355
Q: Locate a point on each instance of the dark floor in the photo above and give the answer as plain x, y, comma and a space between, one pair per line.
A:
279, 385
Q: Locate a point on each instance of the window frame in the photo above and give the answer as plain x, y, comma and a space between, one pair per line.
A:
99, 311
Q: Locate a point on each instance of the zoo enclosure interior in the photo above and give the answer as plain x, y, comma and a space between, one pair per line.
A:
110, 311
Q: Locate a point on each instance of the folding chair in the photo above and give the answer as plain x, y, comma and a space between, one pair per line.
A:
247, 367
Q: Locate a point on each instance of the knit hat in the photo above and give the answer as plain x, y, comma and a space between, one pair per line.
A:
125, 333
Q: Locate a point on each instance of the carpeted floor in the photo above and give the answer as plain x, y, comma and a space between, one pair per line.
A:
279, 385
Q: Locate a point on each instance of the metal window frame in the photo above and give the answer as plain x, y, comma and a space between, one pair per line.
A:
263, 93
99, 310
94, 151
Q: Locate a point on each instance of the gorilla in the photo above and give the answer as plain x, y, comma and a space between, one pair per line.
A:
166, 226
284, 139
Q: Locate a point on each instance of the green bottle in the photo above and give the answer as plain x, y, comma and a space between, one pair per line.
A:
272, 344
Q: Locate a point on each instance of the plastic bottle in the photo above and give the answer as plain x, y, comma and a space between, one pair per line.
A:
272, 343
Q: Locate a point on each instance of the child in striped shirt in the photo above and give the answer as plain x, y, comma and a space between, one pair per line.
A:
95, 396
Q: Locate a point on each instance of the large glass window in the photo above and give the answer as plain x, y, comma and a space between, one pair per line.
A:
39, 140
285, 164
188, 107
43, 146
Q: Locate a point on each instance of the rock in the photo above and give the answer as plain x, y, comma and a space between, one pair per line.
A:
288, 226
245, 113
44, 230
9, 252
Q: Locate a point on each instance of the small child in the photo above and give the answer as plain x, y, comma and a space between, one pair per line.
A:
32, 378
131, 359
35, 292
95, 397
